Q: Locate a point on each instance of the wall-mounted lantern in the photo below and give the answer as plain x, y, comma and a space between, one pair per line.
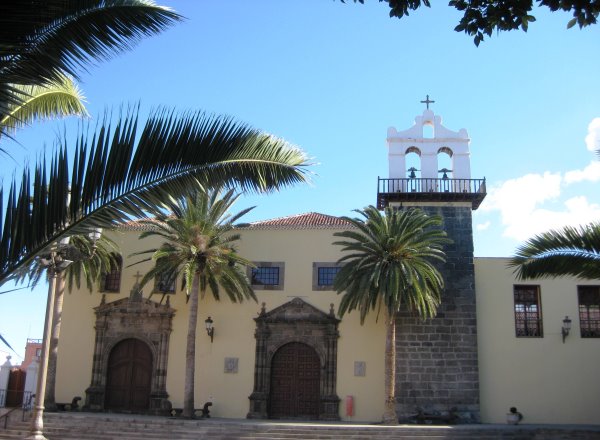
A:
566, 328
210, 330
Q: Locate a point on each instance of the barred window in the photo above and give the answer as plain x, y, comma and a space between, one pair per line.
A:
528, 311
267, 276
327, 275
111, 280
323, 275
589, 311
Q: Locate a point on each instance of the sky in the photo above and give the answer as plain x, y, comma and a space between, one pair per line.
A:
332, 77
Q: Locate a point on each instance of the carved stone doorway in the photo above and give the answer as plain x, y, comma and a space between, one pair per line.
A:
295, 331
295, 378
129, 376
126, 329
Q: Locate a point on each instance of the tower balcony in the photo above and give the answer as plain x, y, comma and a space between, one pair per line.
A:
430, 190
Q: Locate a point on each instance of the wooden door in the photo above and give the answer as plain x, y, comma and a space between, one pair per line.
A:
15, 388
295, 382
129, 376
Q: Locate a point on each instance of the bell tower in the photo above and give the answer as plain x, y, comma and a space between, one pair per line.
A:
436, 367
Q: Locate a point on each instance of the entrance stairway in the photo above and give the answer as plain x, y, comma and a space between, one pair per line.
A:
93, 426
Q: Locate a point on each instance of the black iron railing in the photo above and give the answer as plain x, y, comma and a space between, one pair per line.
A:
422, 185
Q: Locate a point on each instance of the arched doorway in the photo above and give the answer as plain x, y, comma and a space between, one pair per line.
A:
129, 375
295, 379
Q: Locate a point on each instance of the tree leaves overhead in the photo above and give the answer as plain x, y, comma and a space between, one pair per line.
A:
120, 170
573, 251
482, 17
42, 40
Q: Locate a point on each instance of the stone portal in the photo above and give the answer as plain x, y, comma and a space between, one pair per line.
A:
126, 329
300, 332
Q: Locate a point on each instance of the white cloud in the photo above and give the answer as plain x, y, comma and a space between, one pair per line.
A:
592, 140
483, 226
519, 202
590, 173
517, 196
532, 204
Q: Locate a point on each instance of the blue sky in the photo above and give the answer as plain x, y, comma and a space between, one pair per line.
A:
332, 77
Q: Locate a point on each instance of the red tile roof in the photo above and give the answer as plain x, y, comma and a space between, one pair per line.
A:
309, 220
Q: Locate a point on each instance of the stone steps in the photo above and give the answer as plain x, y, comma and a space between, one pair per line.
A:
82, 426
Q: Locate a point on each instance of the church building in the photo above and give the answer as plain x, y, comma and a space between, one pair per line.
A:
495, 343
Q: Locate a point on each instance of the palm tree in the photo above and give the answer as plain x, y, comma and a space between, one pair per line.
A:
199, 245
120, 171
389, 265
573, 251
41, 41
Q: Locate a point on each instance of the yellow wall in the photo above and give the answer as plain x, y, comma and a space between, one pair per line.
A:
234, 329
548, 381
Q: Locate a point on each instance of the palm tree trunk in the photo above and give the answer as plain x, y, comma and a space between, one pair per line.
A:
50, 398
389, 414
190, 352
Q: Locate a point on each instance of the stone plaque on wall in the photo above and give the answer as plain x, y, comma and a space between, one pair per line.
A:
360, 368
231, 365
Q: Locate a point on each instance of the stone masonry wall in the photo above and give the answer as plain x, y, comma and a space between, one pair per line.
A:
437, 359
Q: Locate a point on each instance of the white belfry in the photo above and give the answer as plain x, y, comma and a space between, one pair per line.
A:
444, 141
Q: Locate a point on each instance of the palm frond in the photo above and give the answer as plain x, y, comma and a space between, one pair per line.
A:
42, 39
58, 98
121, 171
96, 258
387, 263
573, 251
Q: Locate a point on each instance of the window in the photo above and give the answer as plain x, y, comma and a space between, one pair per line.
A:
111, 280
323, 275
528, 311
589, 311
38, 352
267, 276
165, 282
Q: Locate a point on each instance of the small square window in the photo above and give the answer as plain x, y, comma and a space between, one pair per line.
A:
323, 275
267, 276
589, 311
528, 311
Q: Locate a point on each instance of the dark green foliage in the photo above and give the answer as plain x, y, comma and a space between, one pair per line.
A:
199, 242
573, 251
41, 40
389, 262
482, 17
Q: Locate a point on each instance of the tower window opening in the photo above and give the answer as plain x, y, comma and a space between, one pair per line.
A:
428, 131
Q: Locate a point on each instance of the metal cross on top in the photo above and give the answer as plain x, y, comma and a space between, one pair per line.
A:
427, 102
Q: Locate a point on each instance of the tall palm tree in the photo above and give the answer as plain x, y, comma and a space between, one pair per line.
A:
573, 251
42, 40
199, 244
121, 170
389, 264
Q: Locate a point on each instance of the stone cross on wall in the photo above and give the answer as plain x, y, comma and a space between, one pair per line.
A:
137, 277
